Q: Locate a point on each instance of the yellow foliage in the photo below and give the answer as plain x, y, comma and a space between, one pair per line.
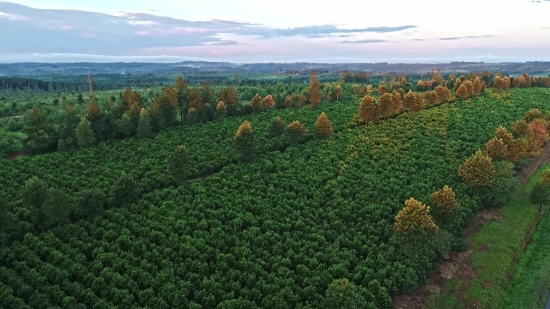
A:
520, 128
368, 109
462, 92
444, 199
414, 217
143, 112
430, 97
268, 101
245, 129
313, 90
496, 149
397, 102
323, 126
457, 84
288, 102
476, 86
93, 108
386, 104
220, 106
477, 170
443, 94
256, 102
545, 176
533, 114
409, 101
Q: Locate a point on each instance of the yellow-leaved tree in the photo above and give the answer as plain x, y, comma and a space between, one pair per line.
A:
430, 97
278, 127
268, 101
477, 86
444, 205
443, 94
256, 103
545, 176
288, 102
462, 92
386, 104
295, 131
496, 149
323, 126
477, 171
244, 141
413, 219
368, 110
314, 90
221, 110
397, 102
409, 101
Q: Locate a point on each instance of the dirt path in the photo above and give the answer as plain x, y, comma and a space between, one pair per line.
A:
458, 266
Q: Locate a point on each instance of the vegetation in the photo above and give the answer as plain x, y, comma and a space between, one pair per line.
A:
192, 197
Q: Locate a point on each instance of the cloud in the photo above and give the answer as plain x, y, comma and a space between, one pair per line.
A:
417, 40
363, 41
322, 31
466, 37
74, 31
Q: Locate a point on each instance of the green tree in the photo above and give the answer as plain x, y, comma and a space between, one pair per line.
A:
178, 164
278, 127
91, 203
124, 191
540, 195
125, 125
181, 92
80, 98
34, 194
477, 171
38, 130
144, 129
295, 131
56, 208
244, 141
85, 134
5, 218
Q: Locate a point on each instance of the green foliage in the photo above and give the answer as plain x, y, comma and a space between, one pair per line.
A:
56, 207
124, 191
144, 129
84, 134
178, 164
91, 203
540, 195
503, 186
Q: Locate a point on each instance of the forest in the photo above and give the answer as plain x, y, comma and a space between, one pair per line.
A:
326, 194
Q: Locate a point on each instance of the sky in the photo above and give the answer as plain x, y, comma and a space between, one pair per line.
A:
246, 31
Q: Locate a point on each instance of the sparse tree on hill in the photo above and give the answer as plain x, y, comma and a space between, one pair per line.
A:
323, 126
443, 94
409, 101
386, 104
368, 110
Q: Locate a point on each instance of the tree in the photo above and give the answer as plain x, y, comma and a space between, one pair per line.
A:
192, 116
477, 171
409, 101
194, 98
469, 86
503, 185
256, 103
181, 93
540, 195
231, 95
278, 127
444, 199
418, 103
84, 134
533, 114
496, 149
38, 130
342, 294
323, 126
221, 111
125, 125
457, 84
506, 83
443, 94
207, 94
244, 141
80, 98
520, 128
34, 194
269, 102
314, 90
476, 86
5, 217
413, 218
144, 129
178, 164
430, 97
56, 208
386, 104
91, 202
295, 131
397, 102
288, 102
462, 92
124, 191
498, 83
338, 92
368, 110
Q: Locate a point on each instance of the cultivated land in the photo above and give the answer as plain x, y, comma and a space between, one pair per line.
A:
308, 220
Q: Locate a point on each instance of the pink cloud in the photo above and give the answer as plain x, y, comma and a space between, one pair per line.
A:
142, 32
188, 30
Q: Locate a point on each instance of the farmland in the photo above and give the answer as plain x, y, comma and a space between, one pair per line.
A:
301, 220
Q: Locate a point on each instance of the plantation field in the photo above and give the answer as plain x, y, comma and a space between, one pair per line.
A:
271, 233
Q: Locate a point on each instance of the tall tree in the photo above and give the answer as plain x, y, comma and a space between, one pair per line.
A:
84, 133
244, 141
443, 94
413, 218
477, 171
38, 131
34, 194
397, 102
269, 102
462, 92
323, 126
288, 102
314, 90
430, 97
178, 164
496, 149
368, 110
181, 93
144, 129
386, 104
256, 103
